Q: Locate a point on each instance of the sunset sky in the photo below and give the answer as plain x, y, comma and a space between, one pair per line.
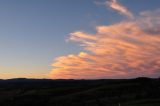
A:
79, 39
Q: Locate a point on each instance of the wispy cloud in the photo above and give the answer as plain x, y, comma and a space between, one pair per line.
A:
123, 50
115, 5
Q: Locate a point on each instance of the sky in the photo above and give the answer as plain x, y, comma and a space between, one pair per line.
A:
79, 39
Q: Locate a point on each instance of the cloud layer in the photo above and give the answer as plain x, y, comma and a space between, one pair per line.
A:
124, 50
115, 5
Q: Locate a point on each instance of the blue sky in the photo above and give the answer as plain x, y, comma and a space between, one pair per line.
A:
33, 32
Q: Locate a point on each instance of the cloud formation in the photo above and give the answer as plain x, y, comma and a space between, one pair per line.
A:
123, 50
115, 5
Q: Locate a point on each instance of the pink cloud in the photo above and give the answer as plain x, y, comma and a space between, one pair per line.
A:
115, 5
123, 50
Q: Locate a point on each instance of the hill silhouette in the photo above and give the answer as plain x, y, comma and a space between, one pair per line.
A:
105, 92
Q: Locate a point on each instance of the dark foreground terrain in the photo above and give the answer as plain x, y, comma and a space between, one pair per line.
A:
32, 92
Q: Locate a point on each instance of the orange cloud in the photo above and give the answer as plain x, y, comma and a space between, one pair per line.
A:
115, 5
123, 50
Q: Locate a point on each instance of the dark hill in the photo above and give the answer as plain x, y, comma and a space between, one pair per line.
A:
109, 92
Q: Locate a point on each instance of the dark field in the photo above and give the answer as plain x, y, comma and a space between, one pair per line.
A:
32, 92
